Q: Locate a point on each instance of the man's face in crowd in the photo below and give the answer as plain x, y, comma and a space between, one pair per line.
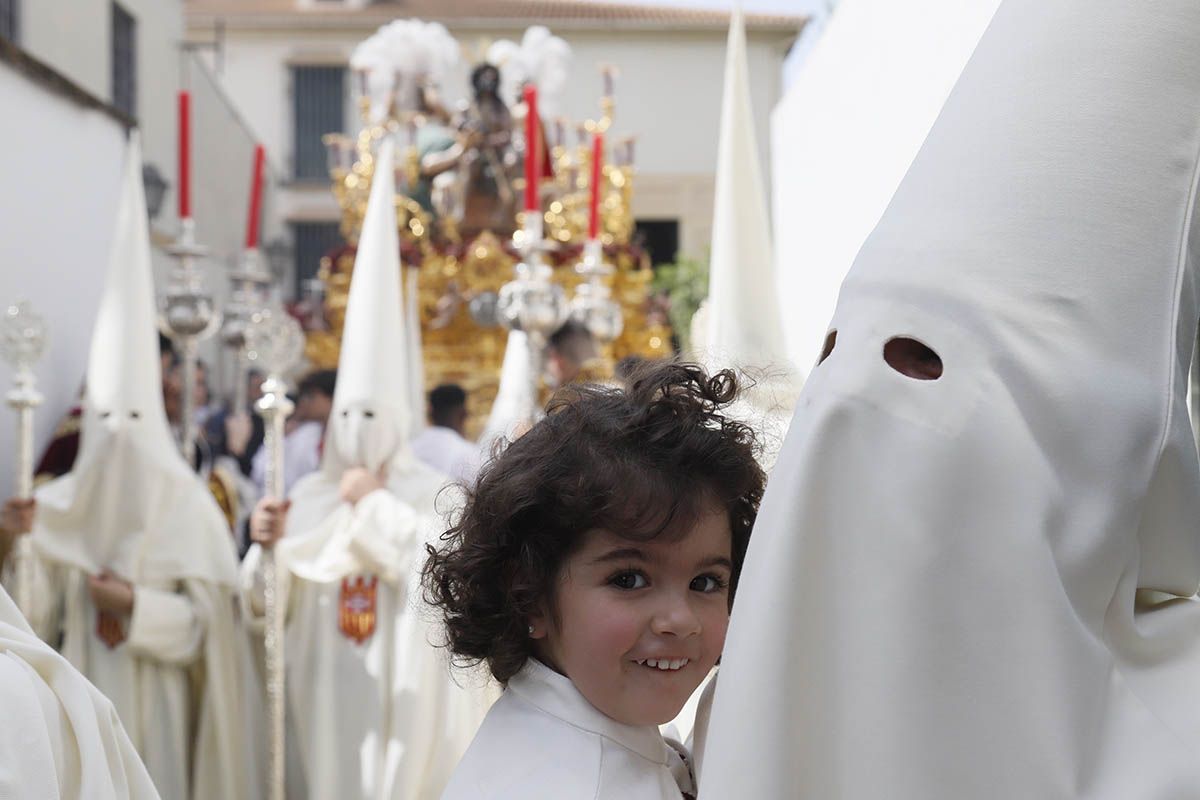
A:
314, 406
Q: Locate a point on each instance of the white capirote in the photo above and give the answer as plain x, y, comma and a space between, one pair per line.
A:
981, 586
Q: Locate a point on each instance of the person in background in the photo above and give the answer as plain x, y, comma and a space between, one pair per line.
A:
239, 433
305, 429
443, 445
567, 351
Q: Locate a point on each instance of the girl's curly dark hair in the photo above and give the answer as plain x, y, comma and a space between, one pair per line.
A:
641, 462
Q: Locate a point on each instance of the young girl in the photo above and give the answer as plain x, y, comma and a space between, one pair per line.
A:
593, 570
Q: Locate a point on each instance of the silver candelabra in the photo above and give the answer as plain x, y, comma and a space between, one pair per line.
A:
249, 282
593, 306
188, 315
532, 303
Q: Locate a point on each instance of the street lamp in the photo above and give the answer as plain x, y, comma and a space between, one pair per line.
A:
156, 189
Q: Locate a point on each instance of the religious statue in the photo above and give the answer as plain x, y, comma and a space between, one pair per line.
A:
473, 179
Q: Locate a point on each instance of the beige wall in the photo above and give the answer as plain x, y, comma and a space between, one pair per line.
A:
668, 95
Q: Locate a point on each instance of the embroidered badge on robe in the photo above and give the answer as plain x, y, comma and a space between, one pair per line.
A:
108, 629
356, 608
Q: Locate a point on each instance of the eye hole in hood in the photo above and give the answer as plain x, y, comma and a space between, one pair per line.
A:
912, 359
830, 343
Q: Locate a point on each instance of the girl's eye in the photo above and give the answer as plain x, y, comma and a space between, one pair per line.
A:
707, 584
629, 580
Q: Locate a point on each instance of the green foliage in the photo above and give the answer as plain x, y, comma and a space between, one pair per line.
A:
685, 282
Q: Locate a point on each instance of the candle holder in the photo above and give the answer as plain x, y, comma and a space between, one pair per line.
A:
188, 315
532, 302
593, 306
22, 341
249, 282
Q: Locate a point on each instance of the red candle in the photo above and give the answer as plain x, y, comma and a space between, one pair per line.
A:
260, 155
533, 150
185, 164
594, 187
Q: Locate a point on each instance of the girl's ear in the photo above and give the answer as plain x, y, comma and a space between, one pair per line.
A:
539, 622
537, 626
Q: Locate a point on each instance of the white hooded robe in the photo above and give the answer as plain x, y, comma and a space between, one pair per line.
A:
60, 735
982, 585
375, 716
131, 505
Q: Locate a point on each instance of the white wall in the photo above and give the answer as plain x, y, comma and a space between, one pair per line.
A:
73, 36
61, 170
668, 95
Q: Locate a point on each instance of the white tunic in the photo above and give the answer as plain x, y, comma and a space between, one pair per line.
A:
448, 452
543, 740
179, 632
381, 717
59, 733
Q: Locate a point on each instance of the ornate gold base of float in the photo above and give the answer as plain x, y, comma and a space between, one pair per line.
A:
459, 350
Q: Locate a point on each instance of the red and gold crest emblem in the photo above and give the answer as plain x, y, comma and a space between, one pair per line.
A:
356, 607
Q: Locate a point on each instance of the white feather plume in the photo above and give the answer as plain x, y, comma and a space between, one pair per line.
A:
542, 58
402, 55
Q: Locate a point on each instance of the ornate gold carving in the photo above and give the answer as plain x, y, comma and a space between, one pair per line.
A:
452, 272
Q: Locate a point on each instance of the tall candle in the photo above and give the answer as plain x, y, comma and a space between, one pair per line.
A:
594, 187
256, 181
533, 150
185, 163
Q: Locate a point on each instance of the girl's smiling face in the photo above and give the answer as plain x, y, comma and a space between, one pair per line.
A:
638, 625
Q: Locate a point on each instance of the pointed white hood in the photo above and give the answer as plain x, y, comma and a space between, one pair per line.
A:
981, 585
414, 354
372, 418
514, 406
129, 483
741, 318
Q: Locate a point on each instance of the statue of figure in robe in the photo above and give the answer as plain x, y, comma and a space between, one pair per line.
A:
473, 180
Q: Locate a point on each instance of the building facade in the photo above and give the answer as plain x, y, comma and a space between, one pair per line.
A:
78, 74
284, 63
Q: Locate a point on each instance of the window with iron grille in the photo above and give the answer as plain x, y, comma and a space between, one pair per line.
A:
318, 108
9, 18
312, 241
124, 60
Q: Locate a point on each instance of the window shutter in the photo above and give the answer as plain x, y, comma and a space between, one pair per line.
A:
318, 108
124, 60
